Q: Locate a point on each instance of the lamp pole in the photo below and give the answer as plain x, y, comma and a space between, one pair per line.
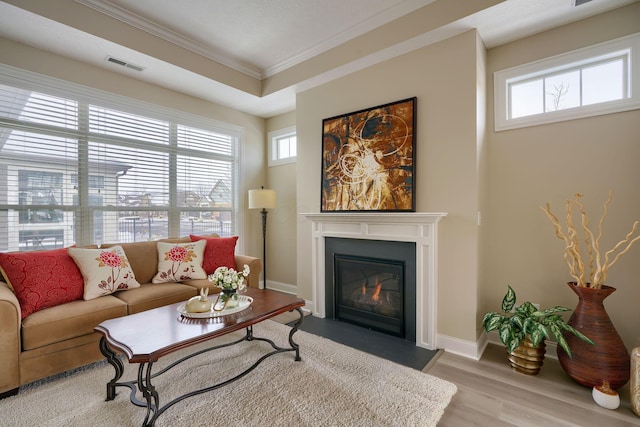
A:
264, 246
263, 199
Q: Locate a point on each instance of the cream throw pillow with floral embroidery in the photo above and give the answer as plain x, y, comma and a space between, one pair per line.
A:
180, 261
104, 271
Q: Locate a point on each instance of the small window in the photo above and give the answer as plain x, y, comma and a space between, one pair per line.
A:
597, 80
282, 146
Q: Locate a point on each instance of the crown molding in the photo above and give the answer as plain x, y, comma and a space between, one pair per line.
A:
356, 30
107, 8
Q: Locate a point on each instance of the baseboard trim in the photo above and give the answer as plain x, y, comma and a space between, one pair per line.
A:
468, 349
474, 350
288, 288
281, 286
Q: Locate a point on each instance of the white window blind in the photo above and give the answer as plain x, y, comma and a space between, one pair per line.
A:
75, 169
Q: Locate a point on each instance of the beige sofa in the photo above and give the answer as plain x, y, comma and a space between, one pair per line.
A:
60, 338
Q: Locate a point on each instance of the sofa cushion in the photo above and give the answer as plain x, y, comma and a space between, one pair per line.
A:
67, 321
149, 296
42, 279
201, 284
180, 261
186, 239
143, 258
175, 240
104, 271
219, 252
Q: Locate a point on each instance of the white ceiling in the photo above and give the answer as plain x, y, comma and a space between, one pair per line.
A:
248, 42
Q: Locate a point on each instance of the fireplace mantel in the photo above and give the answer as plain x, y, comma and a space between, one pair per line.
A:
418, 227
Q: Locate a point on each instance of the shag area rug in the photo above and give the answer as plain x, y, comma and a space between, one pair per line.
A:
333, 385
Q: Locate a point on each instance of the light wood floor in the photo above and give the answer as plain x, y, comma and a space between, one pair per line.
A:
491, 394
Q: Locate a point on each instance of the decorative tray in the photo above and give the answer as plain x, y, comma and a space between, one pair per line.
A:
243, 302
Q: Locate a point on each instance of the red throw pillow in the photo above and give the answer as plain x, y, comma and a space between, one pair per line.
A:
219, 252
42, 279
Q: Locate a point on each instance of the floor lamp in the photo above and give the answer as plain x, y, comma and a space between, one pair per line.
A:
263, 199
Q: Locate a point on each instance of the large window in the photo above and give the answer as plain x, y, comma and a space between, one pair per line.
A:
79, 166
597, 80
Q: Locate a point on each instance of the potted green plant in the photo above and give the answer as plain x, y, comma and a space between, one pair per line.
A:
523, 331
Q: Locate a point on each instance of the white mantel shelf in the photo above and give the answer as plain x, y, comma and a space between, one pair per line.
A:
418, 227
383, 217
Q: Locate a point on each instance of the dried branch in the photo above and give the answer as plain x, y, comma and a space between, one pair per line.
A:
630, 243
570, 259
598, 269
588, 236
572, 233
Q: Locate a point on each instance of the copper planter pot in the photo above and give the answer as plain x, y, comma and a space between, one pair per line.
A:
528, 359
607, 360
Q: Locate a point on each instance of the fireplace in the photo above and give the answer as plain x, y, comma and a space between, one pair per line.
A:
417, 228
372, 283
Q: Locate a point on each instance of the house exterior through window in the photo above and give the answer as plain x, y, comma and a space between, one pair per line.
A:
596, 80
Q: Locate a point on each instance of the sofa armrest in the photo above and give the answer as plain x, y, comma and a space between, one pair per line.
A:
255, 265
9, 339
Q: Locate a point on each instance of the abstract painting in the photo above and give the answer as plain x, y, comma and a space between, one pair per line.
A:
368, 159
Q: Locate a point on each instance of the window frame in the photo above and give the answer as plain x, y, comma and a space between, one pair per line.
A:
84, 212
274, 138
628, 46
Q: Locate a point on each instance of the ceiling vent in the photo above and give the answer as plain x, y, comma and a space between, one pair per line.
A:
124, 63
577, 3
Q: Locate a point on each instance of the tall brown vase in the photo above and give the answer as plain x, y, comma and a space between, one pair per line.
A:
608, 359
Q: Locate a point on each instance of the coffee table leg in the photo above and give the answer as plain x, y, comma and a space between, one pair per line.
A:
295, 327
117, 366
149, 393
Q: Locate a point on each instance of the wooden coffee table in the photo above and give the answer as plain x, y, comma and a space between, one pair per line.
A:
147, 336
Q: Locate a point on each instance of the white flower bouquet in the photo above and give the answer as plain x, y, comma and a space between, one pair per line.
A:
230, 279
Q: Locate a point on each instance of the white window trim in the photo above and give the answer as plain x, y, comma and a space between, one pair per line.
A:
273, 137
630, 43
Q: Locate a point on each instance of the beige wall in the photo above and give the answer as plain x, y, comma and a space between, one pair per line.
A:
463, 167
531, 166
253, 154
443, 78
281, 242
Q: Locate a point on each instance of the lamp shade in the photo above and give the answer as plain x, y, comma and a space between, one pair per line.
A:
262, 199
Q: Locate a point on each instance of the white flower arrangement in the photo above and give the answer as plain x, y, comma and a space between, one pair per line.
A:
230, 279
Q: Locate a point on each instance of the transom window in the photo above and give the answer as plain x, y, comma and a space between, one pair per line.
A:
79, 166
591, 81
282, 145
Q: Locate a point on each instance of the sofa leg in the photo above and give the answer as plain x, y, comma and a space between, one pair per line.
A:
9, 393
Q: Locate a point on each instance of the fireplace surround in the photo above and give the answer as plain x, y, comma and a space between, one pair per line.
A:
418, 227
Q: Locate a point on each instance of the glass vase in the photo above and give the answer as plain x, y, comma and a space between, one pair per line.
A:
231, 297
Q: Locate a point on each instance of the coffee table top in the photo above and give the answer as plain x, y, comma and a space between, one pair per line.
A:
151, 334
